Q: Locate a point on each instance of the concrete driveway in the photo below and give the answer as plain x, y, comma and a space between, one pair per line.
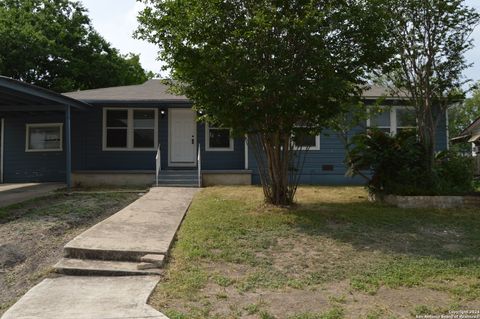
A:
16, 193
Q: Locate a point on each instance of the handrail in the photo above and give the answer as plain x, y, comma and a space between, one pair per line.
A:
158, 164
199, 166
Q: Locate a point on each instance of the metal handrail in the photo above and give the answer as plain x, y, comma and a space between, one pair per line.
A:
158, 164
199, 166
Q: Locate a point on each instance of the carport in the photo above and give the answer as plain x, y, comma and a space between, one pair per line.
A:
21, 98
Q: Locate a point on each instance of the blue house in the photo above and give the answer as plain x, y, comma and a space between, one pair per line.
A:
113, 136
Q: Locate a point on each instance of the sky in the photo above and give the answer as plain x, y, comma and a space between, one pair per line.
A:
116, 20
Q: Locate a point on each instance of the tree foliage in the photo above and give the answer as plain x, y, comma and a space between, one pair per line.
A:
51, 43
270, 69
430, 38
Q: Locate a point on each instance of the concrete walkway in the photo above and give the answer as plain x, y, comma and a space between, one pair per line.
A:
88, 298
16, 193
134, 241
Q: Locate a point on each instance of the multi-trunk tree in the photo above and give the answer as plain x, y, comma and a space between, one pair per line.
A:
278, 71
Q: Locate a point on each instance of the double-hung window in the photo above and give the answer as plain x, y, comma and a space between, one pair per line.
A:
218, 138
393, 120
44, 137
130, 129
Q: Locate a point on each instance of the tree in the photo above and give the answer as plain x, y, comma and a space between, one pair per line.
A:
52, 44
430, 38
269, 69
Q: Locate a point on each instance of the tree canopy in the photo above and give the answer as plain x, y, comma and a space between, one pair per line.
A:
430, 38
269, 68
51, 43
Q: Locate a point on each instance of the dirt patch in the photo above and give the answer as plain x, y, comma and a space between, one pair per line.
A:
228, 302
34, 234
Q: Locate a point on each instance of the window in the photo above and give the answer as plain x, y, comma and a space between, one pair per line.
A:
406, 119
130, 129
381, 121
218, 139
394, 120
305, 140
44, 137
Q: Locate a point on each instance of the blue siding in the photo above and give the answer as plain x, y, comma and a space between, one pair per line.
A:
21, 166
225, 160
332, 152
88, 153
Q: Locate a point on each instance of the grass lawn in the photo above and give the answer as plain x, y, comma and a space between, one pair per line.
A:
32, 235
333, 255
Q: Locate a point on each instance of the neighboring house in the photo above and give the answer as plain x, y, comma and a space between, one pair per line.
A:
471, 135
110, 136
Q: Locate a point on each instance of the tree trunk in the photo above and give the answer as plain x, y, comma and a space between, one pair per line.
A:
274, 158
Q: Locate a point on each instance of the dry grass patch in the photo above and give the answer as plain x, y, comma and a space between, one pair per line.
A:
32, 235
332, 255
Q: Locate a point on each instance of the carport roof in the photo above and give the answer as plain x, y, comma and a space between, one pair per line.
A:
20, 96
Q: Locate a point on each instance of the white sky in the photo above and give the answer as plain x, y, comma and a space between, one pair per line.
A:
116, 21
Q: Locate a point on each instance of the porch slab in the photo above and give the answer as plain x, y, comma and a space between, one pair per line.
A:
16, 193
87, 298
147, 226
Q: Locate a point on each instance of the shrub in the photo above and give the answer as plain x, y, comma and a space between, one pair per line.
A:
454, 173
395, 165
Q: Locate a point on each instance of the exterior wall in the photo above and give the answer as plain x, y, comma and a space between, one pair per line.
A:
332, 153
212, 178
88, 154
112, 178
21, 166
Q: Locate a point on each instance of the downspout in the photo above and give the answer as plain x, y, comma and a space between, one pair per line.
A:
2, 147
68, 147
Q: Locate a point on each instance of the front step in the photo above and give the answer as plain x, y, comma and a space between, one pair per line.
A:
78, 267
73, 252
178, 178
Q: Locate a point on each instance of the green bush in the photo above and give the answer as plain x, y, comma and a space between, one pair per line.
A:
454, 173
396, 165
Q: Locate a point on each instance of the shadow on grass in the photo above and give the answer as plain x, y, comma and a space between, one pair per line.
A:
437, 233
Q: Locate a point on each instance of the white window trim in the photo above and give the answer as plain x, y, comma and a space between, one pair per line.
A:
216, 149
311, 148
130, 130
27, 137
393, 121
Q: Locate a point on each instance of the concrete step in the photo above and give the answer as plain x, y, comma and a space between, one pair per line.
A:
73, 252
78, 267
158, 260
177, 185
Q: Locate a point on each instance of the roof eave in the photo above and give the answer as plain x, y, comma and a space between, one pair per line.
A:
38, 92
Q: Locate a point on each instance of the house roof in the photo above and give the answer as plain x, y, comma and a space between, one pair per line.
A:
16, 95
157, 91
378, 91
470, 134
150, 91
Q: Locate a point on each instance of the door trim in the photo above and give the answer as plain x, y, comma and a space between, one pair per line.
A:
2, 140
179, 164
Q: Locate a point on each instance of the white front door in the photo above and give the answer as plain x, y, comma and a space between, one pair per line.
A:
183, 137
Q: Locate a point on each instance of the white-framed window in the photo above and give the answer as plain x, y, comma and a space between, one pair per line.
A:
394, 119
304, 141
130, 129
218, 138
44, 137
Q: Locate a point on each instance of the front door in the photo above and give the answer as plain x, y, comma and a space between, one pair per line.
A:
183, 137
